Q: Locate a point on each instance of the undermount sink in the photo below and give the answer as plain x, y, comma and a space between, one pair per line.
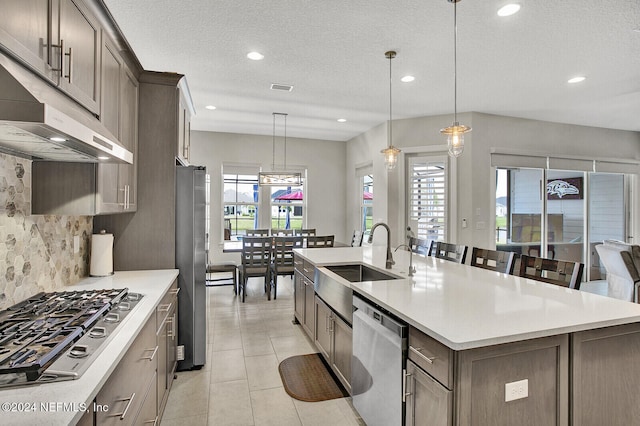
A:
358, 273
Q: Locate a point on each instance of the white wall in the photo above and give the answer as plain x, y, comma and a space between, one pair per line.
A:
325, 186
475, 178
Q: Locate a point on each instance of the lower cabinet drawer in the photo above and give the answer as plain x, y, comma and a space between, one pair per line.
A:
124, 392
432, 356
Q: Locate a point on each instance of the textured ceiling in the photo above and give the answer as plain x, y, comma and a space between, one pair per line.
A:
332, 52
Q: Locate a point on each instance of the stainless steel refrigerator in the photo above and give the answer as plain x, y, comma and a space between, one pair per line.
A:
191, 261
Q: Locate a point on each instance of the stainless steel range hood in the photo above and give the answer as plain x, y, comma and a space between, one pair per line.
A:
40, 123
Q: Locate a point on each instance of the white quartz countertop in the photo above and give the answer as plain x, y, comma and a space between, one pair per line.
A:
61, 403
467, 307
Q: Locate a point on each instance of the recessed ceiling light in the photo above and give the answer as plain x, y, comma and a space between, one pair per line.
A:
57, 139
509, 9
256, 56
102, 157
407, 79
342, 120
576, 79
211, 107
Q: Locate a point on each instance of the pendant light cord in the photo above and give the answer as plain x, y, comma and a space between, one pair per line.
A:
455, 63
273, 144
390, 103
285, 142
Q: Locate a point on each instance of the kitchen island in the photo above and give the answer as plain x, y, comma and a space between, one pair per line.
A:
577, 351
64, 403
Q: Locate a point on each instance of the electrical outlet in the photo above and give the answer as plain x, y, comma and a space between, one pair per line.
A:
516, 390
180, 353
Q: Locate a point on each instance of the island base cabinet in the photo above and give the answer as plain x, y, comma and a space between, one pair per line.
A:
606, 376
428, 403
309, 306
322, 328
483, 373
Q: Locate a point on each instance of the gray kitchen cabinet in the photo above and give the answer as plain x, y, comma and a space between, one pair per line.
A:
309, 306
125, 390
304, 295
470, 386
89, 188
334, 340
605, 373
117, 183
24, 31
322, 328
79, 54
341, 349
428, 403
299, 296
58, 39
167, 338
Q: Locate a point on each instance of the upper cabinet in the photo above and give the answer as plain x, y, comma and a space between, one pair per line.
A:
24, 31
78, 48
58, 39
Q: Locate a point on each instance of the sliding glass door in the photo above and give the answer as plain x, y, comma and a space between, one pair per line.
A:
563, 219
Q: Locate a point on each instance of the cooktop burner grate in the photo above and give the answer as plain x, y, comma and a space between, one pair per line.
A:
36, 331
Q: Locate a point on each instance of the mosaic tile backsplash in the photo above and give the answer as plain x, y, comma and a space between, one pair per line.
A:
36, 252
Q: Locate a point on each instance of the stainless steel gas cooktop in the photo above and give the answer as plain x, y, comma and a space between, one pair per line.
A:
56, 336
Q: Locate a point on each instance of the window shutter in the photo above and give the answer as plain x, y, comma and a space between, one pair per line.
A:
428, 203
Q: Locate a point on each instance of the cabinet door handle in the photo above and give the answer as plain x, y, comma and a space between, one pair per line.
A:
154, 421
124, 412
70, 55
170, 332
60, 57
165, 308
405, 394
153, 354
418, 352
174, 292
126, 197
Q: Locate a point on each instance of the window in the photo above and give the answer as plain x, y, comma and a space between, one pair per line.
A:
366, 203
240, 203
427, 197
287, 207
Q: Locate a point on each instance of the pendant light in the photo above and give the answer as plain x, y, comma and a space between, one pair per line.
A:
390, 152
455, 132
284, 177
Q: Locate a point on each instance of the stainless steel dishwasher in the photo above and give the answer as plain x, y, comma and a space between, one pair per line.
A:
379, 357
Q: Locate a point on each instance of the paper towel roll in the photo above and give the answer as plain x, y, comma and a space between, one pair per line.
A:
101, 254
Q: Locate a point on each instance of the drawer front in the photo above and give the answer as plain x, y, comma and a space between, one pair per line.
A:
432, 356
309, 270
169, 300
125, 390
298, 263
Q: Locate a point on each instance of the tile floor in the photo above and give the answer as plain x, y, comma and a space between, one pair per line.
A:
240, 384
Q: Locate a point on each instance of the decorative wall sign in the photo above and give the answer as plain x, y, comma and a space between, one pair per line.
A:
564, 189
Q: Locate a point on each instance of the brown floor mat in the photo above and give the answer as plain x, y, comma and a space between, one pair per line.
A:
308, 378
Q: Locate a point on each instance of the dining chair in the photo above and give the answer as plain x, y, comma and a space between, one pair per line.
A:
257, 232
493, 260
451, 252
256, 261
282, 261
305, 232
419, 245
356, 239
319, 241
282, 232
558, 272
